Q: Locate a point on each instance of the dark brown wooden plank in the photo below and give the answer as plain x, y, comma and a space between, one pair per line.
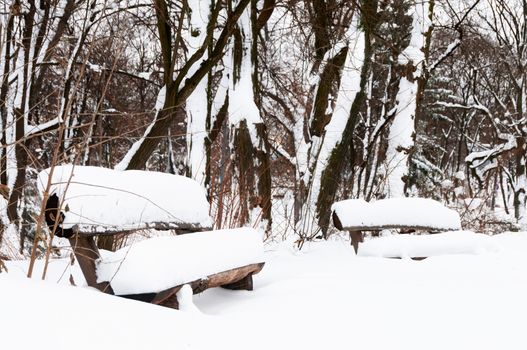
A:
178, 228
226, 278
234, 275
393, 226
171, 302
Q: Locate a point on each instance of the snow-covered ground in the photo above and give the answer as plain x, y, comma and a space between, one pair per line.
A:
323, 297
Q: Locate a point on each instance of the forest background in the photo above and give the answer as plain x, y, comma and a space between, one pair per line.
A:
277, 107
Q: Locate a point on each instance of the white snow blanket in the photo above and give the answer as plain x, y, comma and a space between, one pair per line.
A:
159, 263
100, 200
396, 212
412, 246
454, 302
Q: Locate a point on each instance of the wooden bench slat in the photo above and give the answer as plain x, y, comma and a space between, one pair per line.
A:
393, 227
179, 228
225, 278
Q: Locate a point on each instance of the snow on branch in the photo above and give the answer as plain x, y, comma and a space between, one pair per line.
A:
160, 102
478, 159
41, 128
459, 105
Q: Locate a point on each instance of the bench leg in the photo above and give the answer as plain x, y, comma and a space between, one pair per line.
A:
170, 302
356, 238
245, 283
87, 253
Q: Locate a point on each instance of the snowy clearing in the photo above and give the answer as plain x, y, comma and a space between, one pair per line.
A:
323, 297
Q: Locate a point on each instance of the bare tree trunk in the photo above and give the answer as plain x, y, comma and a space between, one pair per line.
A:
336, 147
252, 173
401, 139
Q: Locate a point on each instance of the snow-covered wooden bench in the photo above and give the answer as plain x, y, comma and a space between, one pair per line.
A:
155, 269
85, 202
409, 214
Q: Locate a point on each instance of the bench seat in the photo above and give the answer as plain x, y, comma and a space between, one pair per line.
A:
239, 278
154, 269
408, 214
159, 263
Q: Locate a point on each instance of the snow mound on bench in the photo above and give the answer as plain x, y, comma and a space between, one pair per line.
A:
98, 200
412, 246
160, 263
396, 212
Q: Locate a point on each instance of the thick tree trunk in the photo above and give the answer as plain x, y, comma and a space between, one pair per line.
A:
401, 139
20, 112
337, 149
252, 178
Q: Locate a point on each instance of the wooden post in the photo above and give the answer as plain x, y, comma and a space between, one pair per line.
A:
87, 253
245, 283
356, 238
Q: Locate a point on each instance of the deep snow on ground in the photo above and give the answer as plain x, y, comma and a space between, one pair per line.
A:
411, 245
322, 297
